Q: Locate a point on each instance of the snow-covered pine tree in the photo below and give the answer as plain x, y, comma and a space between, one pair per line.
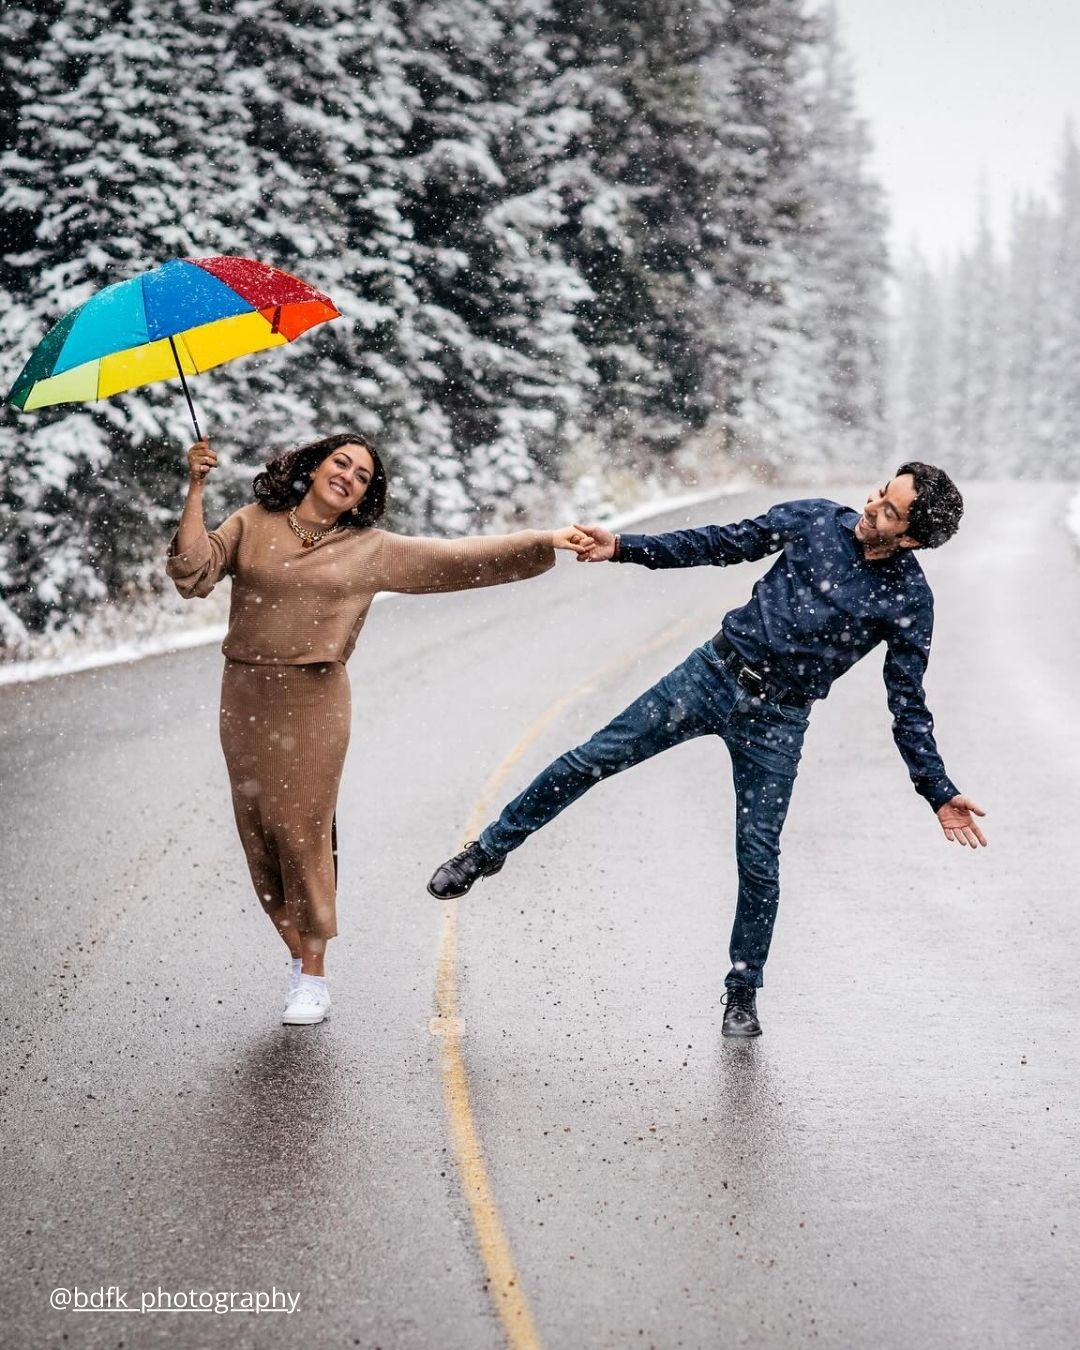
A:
836, 290
550, 399
760, 210
1055, 445
494, 362
325, 107
638, 184
986, 352
127, 152
23, 29
740, 258
972, 397
916, 368
1025, 320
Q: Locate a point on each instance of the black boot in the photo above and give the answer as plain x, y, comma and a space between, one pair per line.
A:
740, 1012
458, 873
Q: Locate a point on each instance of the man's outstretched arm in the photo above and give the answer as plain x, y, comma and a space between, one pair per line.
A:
711, 545
913, 731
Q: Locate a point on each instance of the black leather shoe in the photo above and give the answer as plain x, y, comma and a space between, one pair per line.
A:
457, 875
740, 1012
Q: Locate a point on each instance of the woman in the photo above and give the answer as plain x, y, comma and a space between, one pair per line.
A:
306, 562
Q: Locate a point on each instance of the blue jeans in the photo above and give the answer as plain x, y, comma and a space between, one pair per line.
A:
698, 698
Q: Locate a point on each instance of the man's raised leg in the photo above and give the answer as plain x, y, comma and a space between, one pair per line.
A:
686, 703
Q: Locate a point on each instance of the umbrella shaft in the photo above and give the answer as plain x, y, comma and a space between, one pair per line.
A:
187, 395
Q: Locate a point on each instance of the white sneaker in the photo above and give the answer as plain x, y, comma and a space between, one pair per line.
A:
294, 979
309, 1004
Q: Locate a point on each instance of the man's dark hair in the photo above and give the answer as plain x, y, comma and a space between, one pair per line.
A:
935, 513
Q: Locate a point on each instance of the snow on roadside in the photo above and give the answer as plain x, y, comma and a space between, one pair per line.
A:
1072, 519
664, 504
90, 657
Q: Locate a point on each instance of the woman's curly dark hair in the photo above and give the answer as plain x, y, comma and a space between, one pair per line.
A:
285, 480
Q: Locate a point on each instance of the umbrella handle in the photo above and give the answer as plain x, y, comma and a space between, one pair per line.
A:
187, 395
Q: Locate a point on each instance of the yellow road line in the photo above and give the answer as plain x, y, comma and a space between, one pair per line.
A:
503, 1281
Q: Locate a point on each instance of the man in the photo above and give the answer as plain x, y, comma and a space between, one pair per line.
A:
844, 582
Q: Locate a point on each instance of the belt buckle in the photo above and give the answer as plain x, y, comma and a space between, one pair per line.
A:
752, 681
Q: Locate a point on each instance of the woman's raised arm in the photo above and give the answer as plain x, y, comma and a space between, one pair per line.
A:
201, 459
197, 561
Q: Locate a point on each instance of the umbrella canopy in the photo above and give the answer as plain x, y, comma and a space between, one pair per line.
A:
182, 318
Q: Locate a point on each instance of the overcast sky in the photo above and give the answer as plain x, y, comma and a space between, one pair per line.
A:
952, 88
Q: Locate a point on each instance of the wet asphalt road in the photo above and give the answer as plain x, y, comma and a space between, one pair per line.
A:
894, 1163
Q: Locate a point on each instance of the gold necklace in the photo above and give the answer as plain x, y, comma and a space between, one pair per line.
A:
309, 538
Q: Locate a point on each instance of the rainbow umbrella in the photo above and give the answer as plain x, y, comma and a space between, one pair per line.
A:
184, 317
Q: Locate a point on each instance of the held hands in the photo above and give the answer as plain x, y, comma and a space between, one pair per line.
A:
201, 459
600, 544
571, 537
957, 819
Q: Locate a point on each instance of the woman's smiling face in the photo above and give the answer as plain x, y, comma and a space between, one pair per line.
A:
342, 478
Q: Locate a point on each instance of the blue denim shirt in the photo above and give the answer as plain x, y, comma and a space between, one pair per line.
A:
820, 608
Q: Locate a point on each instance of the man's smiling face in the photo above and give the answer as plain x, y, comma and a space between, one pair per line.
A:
882, 527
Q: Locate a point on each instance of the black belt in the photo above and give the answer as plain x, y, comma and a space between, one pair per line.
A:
746, 677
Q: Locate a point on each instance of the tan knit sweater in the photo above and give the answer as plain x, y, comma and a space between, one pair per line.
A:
295, 606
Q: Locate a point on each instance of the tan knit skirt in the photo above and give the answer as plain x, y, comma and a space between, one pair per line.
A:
285, 731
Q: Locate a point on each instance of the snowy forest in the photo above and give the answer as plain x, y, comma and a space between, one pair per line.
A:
576, 243
986, 346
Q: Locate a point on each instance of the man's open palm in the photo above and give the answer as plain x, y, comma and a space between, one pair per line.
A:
957, 819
